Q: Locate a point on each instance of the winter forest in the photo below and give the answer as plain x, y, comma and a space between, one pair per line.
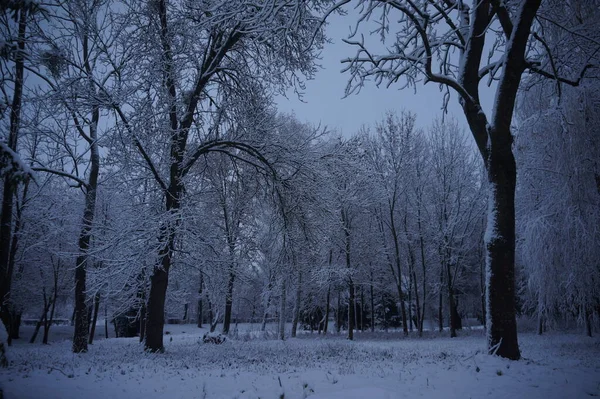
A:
167, 230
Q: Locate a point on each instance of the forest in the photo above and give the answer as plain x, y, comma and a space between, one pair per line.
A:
152, 187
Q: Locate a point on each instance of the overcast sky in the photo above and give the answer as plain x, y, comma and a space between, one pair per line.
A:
324, 100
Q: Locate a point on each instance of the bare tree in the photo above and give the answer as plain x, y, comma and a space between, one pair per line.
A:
443, 42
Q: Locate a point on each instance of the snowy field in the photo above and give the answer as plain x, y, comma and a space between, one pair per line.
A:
380, 365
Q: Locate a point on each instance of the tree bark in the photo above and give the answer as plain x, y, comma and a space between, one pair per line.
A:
94, 318
451, 303
38, 325
441, 302
327, 307
338, 314
48, 322
398, 269
297, 306
106, 322
9, 185
362, 309
372, 305
282, 312
351, 315
588, 321
142, 322
228, 302
200, 294
500, 245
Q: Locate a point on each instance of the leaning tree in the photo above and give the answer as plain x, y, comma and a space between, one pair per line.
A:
444, 42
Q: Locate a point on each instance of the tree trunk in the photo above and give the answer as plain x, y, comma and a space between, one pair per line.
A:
282, 312
500, 246
588, 321
94, 318
327, 306
362, 309
15, 325
417, 303
49, 322
297, 306
338, 314
351, 315
483, 295
9, 185
155, 310
410, 315
451, 302
263, 327
441, 302
200, 294
106, 321
385, 322
142, 322
423, 267
40, 321
372, 305
398, 271
228, 302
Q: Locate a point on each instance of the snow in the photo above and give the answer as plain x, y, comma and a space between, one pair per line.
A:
11, 163
380, 365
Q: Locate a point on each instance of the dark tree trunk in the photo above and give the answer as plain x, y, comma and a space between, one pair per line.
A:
155, 310
283, 299
142, 313
38, 325
351, 315
9, 185
297, 306
228, 302
385, 322
398, 271
424, 268
327, 307
500, 245
351, 308
338, 314
441, 302
483, 295
15, 325
116, 329
362, 309
410, 315
372, 305
106, 321
200, 295
451, 303
263, 327
49, 322
185, 312
588, 321
417, 303
94, 318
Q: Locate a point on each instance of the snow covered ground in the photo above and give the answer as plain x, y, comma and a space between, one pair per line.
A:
375, 366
